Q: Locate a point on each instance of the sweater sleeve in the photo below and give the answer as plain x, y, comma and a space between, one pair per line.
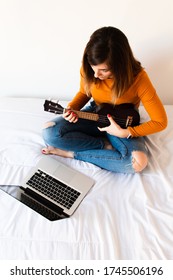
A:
154, 107
81, 98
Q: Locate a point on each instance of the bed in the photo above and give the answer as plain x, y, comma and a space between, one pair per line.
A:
124, 217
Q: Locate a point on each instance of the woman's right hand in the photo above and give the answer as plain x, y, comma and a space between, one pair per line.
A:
70, 116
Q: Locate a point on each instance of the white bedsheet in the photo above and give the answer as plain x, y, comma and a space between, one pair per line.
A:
123, 216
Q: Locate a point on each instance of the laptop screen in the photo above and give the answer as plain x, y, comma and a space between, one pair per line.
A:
36, 203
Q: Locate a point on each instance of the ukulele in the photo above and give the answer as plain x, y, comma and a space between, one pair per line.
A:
124, 114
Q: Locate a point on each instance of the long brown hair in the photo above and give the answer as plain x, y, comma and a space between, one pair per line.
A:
109, 45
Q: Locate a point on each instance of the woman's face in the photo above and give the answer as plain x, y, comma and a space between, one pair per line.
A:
101, 71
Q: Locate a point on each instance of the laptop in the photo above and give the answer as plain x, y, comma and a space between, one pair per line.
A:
53, 189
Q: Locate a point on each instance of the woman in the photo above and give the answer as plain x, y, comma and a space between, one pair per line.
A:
109, 74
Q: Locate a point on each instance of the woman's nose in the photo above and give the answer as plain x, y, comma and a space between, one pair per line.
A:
96, 73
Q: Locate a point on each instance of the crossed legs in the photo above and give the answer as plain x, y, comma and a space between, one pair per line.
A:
139, 158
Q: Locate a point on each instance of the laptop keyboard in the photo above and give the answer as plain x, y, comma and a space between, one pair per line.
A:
53, 188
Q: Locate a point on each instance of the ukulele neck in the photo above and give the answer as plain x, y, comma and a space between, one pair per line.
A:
85, 115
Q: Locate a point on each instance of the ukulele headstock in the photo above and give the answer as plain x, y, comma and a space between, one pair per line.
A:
53, 107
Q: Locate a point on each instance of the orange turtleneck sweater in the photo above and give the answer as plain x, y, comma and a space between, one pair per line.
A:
141, 91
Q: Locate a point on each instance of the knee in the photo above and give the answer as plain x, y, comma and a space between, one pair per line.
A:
48, 124
139, 161
48, 132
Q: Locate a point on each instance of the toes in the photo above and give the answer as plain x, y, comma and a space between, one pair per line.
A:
45, 151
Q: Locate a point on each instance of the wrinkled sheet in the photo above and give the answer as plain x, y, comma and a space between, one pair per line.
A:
122, 217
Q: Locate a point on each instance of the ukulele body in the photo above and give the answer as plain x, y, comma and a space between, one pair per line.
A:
124, 114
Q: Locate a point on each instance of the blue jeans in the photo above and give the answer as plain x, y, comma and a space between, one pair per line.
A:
87, 143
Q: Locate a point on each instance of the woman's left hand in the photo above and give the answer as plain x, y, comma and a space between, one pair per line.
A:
114, 129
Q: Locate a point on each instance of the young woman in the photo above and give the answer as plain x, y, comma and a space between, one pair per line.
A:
110, 74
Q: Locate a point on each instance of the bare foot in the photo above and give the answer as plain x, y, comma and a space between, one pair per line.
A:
55, 151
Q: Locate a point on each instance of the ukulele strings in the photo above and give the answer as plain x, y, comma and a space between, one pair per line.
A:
102, 118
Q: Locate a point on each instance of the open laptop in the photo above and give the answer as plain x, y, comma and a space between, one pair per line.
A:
53, 189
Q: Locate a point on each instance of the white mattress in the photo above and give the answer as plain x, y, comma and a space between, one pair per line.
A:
123, 216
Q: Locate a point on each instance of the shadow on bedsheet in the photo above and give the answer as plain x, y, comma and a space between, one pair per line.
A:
10, 189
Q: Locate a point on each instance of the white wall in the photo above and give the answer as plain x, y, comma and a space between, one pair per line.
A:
42, 42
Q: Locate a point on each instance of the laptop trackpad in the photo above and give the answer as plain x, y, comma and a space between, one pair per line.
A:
64, 173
